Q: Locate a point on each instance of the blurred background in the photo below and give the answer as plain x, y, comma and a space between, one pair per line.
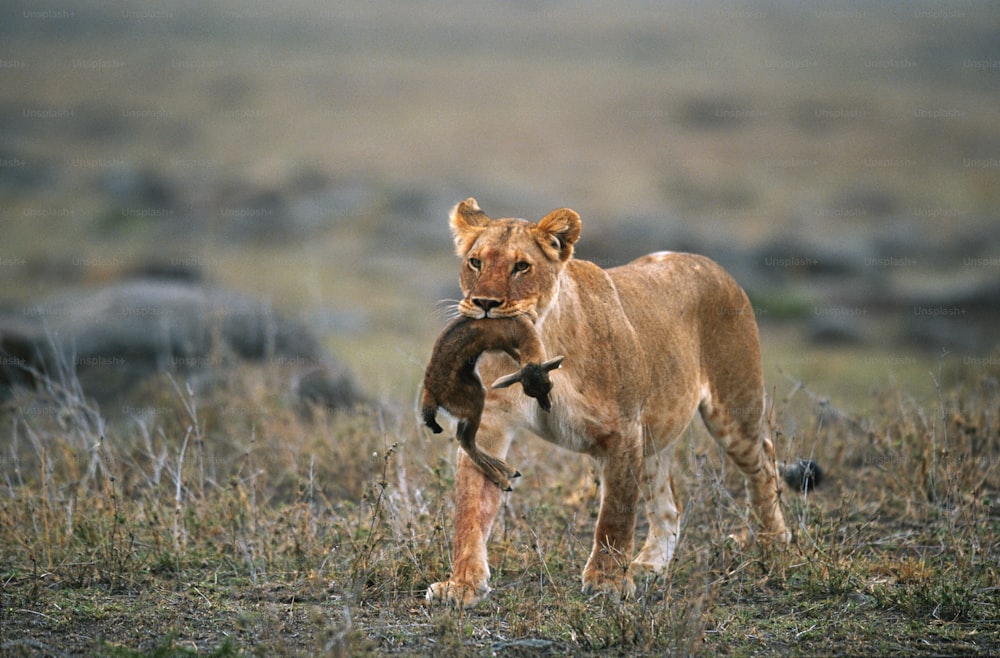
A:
842, 159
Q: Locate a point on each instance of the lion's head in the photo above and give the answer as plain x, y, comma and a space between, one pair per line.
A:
510, 266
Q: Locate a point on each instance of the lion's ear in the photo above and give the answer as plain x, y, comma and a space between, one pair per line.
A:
560, 230
467, 222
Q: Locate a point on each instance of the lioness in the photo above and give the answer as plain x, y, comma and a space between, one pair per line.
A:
647, 345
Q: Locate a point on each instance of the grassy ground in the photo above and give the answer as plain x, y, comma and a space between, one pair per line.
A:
231, 526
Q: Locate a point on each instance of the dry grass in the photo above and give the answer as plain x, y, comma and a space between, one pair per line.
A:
230, 524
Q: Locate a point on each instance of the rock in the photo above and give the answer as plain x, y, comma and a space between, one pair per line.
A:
835, 331
620, 241
21, 173
178, 270
290, 211
718, 112
786, 258
802, 475
961, 316
144, 188
865, 201
115, 336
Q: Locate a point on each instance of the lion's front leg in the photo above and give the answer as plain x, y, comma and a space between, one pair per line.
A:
477, 500
608, 568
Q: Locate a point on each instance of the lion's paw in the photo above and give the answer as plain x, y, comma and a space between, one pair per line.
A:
647, 567
457, 594
620, 584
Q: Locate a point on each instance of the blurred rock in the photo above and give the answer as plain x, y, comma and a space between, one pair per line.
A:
717, 112
325, 388
186, 272
947, 334
864, 201
786, 258
415, 219
289, 212
113, 337
328, 206
21, 173
802, 475
618, 242
133, 186
959, 317
835, 332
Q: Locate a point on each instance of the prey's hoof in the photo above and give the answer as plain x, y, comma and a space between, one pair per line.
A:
501, 481
497, 471
504, 483
430, 420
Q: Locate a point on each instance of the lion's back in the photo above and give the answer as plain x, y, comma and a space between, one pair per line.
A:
689, 307
678, 285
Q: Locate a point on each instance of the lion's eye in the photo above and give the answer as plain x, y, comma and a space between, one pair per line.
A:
475, 263
522, 266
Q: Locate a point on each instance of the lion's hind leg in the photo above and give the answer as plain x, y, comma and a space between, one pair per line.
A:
738, 425
662, 512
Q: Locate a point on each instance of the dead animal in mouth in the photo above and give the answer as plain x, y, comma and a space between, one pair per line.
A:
451, 381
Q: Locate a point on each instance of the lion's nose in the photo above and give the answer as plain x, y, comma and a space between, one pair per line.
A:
486, 303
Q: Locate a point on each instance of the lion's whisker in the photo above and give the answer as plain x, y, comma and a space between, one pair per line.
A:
447, 309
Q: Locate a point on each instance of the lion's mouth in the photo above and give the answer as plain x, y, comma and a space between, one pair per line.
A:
476, 312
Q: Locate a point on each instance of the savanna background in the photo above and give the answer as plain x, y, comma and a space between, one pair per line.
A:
841, 159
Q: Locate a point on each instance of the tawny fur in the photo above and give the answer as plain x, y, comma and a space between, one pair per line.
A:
451, 381
648, 346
